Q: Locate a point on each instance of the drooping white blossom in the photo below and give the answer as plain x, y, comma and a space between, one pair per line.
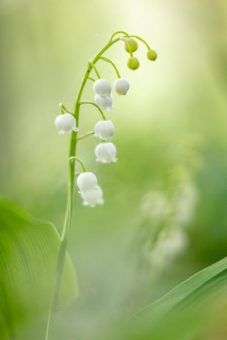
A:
104, 129
104, 101
168, 246
106, 153
93, 196
121, 86
65, 123
102, 87
86, 181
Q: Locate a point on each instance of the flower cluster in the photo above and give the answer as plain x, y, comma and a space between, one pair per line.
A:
167, 219
105, 152
104, 130
131, 46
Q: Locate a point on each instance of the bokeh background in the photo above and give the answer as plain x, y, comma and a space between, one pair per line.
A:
166, 199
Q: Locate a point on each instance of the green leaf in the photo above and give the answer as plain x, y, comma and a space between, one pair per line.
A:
184, 310
195, 289
28, 255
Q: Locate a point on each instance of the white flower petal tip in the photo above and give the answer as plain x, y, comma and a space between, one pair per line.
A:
102, 161
106, 153
86, 181
65, 123
104, 101
92, 197
102, 87
104, 129
121, 86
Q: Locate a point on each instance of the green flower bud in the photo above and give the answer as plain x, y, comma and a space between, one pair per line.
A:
131, 45
152, 55
133, 63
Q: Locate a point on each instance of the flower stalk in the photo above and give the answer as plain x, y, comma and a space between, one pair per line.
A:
105, 152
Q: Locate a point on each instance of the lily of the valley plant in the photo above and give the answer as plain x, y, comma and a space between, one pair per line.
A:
105, 151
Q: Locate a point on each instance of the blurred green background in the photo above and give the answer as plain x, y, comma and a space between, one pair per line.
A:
165, 215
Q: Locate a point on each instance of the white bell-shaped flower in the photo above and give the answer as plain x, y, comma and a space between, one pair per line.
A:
92, 197
102, 87
121, 86
104, 129
106, 153
86, 181
104, 101
65, 123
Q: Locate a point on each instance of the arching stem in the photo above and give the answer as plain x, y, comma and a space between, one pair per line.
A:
140, 39
79, 161
107, 60
64, 109
88, 102
117, 33
71, 184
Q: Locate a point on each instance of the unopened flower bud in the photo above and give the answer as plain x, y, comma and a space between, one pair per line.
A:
121, 86
92, 197
65, 123
102, 87
106, 153
152, 55
133, 63
104, 129
130, 45
86, 181
104, 101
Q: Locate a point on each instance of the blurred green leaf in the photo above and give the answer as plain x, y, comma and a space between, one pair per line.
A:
28, 254
193, 290
181, 313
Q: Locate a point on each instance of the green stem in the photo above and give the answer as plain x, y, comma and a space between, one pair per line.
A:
88, 102
79, 161
95, 69
112, 63
64, 109
71, 183
92, 79
118, 32
140, 39
91, 133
